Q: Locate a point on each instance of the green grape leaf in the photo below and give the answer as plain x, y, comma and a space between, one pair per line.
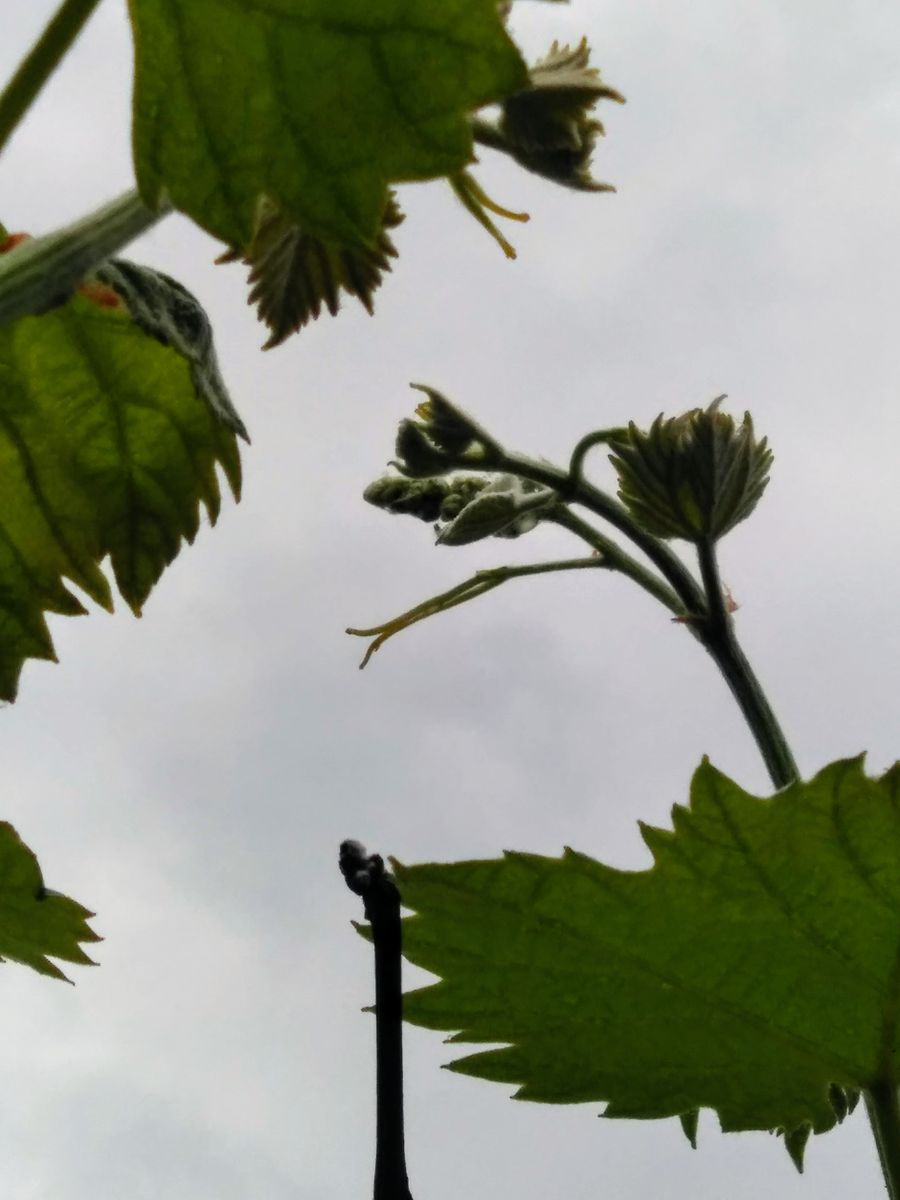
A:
753, 969
312, 106
113, 419
293, 274
37, 924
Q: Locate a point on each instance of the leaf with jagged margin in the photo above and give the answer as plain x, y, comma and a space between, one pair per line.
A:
36, 924
315, 106
754, 969
113, 419
549, 127
292, 274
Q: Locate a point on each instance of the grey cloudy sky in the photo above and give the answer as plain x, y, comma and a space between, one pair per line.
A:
190, 775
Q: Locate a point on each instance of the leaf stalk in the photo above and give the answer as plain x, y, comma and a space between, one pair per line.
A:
40, 63
42, 272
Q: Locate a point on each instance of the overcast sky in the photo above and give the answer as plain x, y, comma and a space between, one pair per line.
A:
190, 775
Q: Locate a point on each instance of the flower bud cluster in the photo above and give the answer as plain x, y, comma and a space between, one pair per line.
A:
507, 507
433, 500
465, 508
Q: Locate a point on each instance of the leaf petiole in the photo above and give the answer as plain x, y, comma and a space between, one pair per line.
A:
40, 63
43, 271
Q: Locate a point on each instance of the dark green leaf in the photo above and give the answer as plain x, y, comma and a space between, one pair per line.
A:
749, 970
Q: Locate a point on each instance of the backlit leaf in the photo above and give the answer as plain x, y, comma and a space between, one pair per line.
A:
113, 420
752, 969
313, 106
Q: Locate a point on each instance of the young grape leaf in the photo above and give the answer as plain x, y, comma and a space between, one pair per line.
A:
113, 418
753, 969
293, 274
35, 923
314, 105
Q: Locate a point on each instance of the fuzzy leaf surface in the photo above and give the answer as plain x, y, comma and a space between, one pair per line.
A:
113, 419
316, 105
754, 965
36, 924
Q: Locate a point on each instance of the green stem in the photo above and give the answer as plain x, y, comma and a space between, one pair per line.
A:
599, 437
884, 1117
38, 274
40, 63
716, 631
578, 491
615, 558
487, 133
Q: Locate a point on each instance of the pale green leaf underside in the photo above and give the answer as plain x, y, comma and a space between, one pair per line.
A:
316, 104
754, 964
35, 924
106, 448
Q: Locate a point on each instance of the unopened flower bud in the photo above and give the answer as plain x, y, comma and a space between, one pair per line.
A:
694, 476
448, 427
417, 455
420, 498
433, 499
444, 438
462, 489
